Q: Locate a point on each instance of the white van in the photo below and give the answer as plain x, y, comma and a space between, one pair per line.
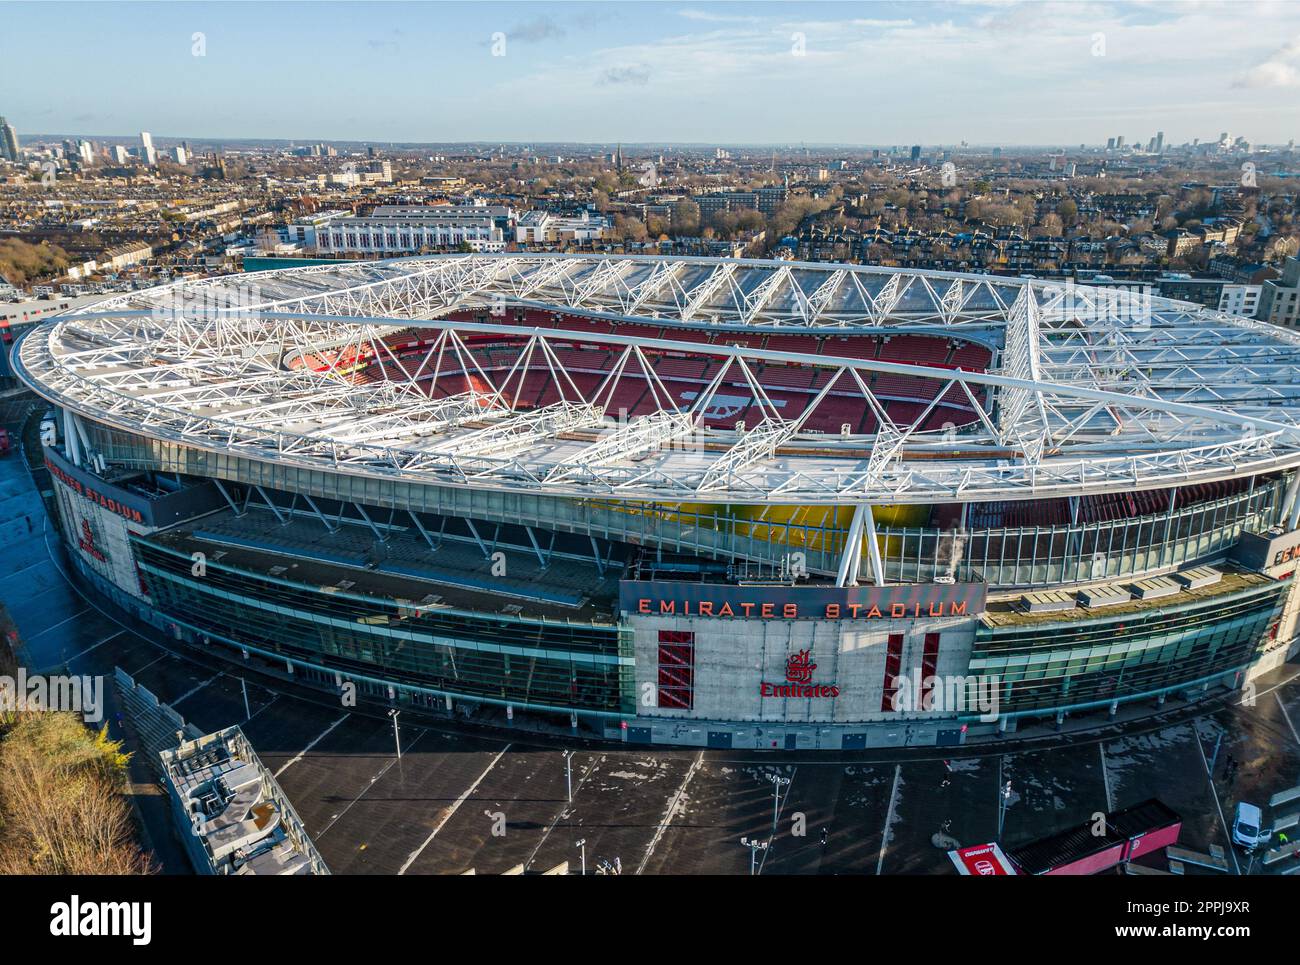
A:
1247, 829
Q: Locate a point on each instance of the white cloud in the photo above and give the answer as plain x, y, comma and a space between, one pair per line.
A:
1018, 73
1280, 70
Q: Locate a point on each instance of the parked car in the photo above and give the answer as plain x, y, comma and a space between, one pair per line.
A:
1247, 826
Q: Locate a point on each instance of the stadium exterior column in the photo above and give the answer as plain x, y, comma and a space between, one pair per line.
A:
233, 505
71, 444
324, 521
382, 537
280, 517
1292, 502
852, 548
873, 549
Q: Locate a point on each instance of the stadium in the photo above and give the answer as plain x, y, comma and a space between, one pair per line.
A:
714, 502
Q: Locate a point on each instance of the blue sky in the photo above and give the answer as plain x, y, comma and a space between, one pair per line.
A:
737, 72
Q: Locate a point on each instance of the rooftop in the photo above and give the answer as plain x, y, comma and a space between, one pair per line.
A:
1009, 613
1092, 390
351, 563
243, 823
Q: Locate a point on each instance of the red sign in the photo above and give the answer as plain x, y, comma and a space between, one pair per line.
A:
87, 542
982, 860
904, 602
798, 676
88, 492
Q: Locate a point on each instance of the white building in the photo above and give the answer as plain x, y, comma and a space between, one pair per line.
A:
147, 152
179, 155
394, 230
303, 231
368, 172
1240, 299
545, 228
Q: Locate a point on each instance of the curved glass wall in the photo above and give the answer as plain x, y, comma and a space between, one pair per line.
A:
546, 664
1002, 557
1049, 666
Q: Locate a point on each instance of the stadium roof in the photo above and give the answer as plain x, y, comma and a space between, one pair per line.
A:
1091, 390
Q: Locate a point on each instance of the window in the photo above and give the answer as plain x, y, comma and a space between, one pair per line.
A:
676, 669
929, 661
893, 662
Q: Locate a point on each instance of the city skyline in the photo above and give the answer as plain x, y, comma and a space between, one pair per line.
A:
1030, 73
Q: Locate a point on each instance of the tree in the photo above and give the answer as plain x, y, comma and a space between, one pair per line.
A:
630, 229
1051, 225
21, 262
61, 805
686, 219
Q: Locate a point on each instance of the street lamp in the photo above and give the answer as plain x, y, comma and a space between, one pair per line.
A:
777, 783
568, 773
1004, 802
397, 740
754, 846
582, 843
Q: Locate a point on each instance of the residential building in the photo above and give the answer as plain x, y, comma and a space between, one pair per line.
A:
544, 227
395, 230
1279, 302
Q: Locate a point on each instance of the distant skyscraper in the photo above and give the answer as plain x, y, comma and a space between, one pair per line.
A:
146, 149
916, 152
179, 155
1110, 144
9, 141
1160, 142
120, 155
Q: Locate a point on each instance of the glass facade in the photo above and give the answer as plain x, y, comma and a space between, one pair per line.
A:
1021, 557
549, 665
1048, 666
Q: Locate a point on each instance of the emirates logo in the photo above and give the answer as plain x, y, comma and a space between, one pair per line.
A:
87, 542
799, 669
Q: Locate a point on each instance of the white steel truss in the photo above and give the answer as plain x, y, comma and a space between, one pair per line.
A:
360, 366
